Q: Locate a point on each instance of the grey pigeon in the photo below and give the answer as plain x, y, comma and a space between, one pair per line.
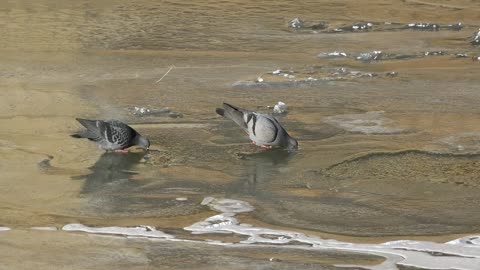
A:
263, 129
111, 135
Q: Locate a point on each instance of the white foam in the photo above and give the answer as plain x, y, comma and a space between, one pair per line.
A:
140, 231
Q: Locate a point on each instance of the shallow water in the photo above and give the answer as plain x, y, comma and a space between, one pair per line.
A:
382, 157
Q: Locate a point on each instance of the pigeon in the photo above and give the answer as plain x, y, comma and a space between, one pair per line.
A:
111, 135
263, 129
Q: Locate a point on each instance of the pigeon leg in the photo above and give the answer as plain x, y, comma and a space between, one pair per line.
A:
121, 151
266, 146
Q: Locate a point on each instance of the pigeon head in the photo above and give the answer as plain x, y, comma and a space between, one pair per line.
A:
141, 141
292, 144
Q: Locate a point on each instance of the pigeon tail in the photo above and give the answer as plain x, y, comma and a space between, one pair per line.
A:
86, 135
234, 113
220, 111
89, 124
92, 133
227, 106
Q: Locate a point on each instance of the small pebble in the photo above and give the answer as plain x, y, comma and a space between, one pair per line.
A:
296, 23
392, 74
280, 107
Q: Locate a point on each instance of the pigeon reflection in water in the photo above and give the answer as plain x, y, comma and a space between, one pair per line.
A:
111, 173
109, 189
263, 167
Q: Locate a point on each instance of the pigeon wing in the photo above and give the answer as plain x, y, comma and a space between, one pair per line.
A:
263, 129
118, 134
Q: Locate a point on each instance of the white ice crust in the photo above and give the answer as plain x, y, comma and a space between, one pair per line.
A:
140, 231
462, 253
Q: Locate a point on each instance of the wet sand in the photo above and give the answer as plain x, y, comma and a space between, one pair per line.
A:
101, 59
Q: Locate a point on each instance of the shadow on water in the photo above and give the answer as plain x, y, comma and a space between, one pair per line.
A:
117, 187
110, 186
111, 171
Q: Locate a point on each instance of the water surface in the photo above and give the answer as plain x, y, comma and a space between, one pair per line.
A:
381, 158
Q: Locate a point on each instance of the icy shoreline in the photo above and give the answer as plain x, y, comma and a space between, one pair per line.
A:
461, 253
